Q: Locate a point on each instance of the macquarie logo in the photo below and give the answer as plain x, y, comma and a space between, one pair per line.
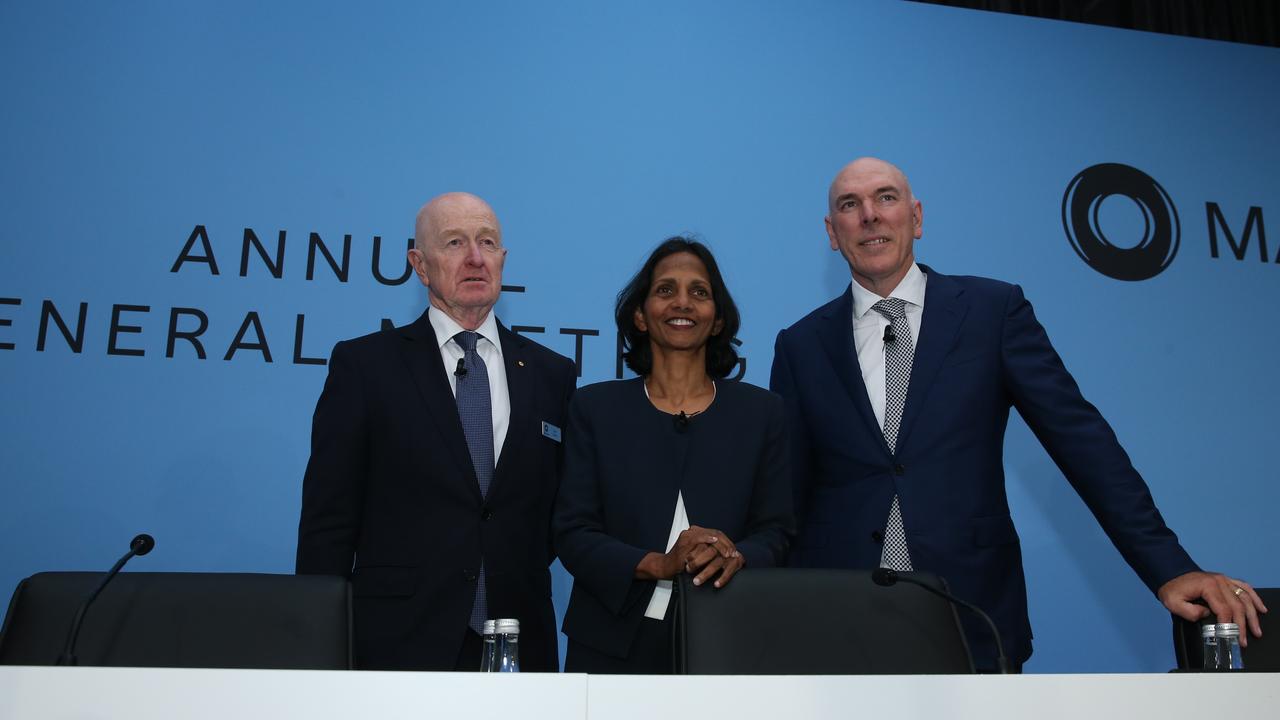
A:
1144, 255
1159, 243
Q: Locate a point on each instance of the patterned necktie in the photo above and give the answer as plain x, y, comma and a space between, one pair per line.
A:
897, 375
477, 425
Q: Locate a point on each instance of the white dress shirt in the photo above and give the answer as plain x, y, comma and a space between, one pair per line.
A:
490, 350
868, 331
661, 598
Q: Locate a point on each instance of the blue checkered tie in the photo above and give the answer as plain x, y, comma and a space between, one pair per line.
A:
898, 355
477, 425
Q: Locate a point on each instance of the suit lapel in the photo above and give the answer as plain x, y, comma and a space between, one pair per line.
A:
836, 334
944, 311
520, 378
421, 355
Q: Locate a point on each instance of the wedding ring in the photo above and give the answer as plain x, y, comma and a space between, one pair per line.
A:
1239, 591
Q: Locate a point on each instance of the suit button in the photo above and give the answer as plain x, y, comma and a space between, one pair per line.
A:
898, 469
486, 514
877, 535
470, 576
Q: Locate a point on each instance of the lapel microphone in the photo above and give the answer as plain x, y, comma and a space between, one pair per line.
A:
681, 421
461, 370
888, 334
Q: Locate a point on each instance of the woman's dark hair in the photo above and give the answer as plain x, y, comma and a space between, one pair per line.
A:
721, 357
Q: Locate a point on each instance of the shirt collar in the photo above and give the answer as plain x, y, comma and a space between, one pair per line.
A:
911, 289
446, 327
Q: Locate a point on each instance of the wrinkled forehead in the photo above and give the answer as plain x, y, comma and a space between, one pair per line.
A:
867, 176
456, 212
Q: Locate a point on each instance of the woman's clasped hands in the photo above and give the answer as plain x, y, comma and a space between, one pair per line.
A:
705, 554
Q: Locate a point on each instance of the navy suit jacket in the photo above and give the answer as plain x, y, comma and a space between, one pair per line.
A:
391, 500
981, 351
627, 462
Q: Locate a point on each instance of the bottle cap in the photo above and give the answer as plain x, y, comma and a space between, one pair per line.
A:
490, 627
508, 626
1228, 630
1208, 630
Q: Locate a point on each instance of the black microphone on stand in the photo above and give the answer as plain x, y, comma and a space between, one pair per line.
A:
888, 334
140, 545
887, 576
461, 370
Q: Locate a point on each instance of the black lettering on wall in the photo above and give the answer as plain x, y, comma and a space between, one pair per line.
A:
74, 341
276, 268
522, 329
578, 334
185, 256
250, 318
118, 329
298, 358
617, 370
377, 260
339, 271
8, 322
742, 361
1216, 221
191, 336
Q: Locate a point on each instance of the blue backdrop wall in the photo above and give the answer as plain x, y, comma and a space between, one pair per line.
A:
132, 129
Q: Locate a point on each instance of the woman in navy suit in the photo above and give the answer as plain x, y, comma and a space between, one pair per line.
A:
678, 470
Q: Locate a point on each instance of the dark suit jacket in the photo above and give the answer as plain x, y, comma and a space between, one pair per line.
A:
391, 500
626, 462
981, 351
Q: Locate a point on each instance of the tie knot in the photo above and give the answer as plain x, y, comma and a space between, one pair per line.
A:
467, 339
892, 308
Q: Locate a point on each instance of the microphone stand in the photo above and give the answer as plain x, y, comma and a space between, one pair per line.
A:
140, 545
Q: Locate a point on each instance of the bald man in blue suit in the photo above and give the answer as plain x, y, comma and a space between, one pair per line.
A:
898, 407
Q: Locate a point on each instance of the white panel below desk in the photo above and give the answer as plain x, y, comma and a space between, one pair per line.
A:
28, 693
37, 693
935, 697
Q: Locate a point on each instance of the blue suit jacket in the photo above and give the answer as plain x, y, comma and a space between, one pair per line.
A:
981, 351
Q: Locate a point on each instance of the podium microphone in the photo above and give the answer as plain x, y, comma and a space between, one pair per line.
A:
887, 576
140, 545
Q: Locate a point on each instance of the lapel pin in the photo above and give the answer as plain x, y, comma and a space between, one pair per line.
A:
520, 363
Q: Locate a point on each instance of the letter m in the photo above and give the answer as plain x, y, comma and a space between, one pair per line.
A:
1217, 222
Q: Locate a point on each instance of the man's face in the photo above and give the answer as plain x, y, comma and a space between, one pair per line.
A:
874, 221
459, 256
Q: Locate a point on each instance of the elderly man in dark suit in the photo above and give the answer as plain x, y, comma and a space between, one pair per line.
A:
898, 400
435, 450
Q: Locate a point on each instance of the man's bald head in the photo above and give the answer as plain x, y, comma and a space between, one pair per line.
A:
862, 167
448, 207
873, 221
458, 255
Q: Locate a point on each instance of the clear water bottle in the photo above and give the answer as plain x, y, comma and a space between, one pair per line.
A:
489, 651
1209, 640
508, 651
1229, 657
